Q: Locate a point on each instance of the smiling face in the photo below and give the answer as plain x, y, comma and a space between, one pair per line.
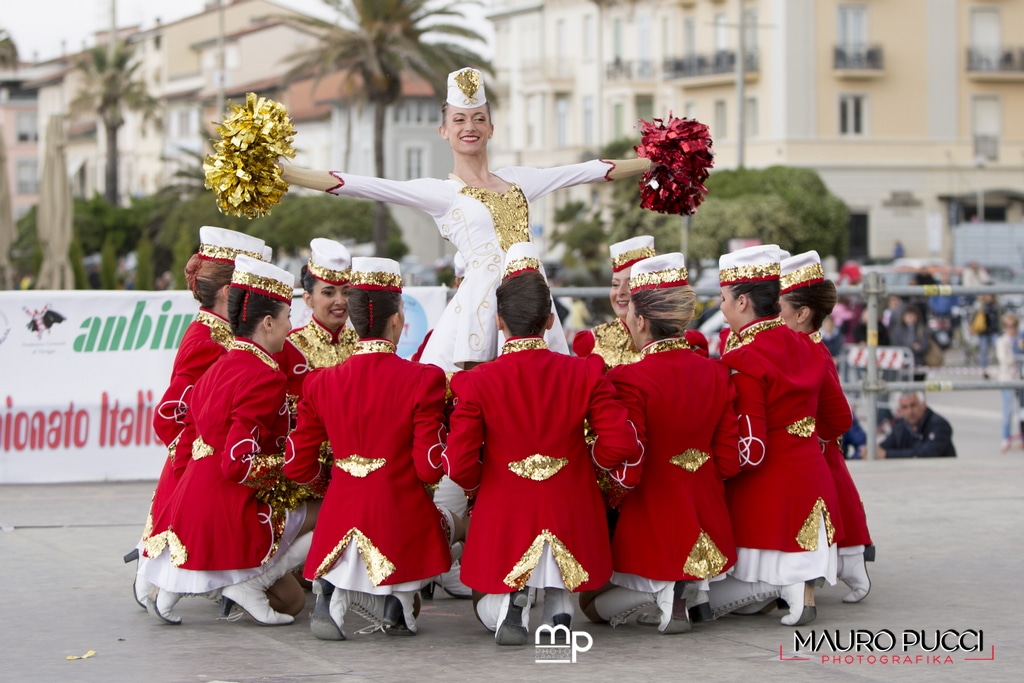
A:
467, 130
329, 303
619, 293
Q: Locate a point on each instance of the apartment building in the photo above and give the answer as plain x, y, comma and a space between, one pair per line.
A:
911, 111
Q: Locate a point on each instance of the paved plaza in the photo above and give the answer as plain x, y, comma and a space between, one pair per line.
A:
949, 536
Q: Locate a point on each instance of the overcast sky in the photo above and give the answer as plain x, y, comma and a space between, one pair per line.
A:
40, 26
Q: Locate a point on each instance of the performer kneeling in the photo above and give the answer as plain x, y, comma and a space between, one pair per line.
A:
517, 442
381, 538
215, 532
673, 532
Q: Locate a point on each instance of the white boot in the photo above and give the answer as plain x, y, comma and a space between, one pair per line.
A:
160, 604
369, 607
730, 594
558, 609
675, 617
450, 581
854, 573
140, 586
618, 604
321, 622
404, 621
800, 597
514, 627
251, 595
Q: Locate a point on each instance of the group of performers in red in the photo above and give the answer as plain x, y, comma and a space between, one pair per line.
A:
491, 466
320, 448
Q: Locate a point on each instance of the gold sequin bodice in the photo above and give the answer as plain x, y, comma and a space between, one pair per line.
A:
510, 212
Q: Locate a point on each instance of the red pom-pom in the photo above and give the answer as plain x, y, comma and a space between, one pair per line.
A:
682, 150
583, 343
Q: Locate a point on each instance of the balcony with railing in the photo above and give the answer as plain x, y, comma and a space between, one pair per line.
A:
631, 70
858, 61
713, 69
996, 63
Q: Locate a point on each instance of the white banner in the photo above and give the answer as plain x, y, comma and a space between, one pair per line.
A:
81, 372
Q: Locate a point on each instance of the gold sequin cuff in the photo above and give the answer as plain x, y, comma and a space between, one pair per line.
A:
538, 467
333, 277
201, 449
523, 344
673, 277
212, 252
388, 282
520, 265
732, 276
262, 285
802, 277
628, 258
803, 428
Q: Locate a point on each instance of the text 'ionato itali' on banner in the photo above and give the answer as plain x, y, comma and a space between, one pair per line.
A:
112, 421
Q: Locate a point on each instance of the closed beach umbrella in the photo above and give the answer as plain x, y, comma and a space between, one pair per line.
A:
6, 221
53, 220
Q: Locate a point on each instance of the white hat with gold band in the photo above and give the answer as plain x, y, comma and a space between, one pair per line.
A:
800, 271
659, 272
626, 253
520, 258
759, 263
466, 89
221, 244
260, 277
329, 261
376, 274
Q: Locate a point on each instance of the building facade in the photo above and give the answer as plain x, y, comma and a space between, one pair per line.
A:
911, 111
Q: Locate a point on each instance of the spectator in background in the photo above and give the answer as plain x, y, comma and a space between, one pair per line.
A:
989, 309
831, 337
974, 276
897, 249
860, 331
1006, 362
913, 334
919, 432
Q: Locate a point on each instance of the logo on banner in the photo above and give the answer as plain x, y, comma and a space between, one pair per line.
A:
41, 320
5, 327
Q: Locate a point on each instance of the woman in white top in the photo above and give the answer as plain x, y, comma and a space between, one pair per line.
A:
481, 212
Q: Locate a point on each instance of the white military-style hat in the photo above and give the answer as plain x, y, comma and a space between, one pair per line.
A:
260, 277
268, 254
221, 244
329, 261
800, 271
659, 272
466, 89
627, 252
522, 257
759, 263
375, 273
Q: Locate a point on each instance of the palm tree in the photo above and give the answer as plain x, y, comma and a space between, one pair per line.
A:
8, 51
383, 40
111, 86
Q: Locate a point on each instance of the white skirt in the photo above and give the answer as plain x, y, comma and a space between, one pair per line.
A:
546, 574
160, 572
782, 568
644, 585
350, 573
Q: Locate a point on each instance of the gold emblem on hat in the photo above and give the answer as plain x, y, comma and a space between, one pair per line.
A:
468, 81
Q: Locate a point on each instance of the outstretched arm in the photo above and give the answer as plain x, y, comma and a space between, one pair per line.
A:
320, 181
427, 194
624, 168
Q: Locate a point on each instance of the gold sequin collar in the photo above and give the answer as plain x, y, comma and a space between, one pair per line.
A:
324, 333
523, 344
672, 344
255, 349
220, 329
373, 346
748, 333
614, 344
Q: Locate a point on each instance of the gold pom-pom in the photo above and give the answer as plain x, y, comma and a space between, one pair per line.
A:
243, 171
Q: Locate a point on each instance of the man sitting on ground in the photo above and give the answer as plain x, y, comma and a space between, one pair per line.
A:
919, 432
